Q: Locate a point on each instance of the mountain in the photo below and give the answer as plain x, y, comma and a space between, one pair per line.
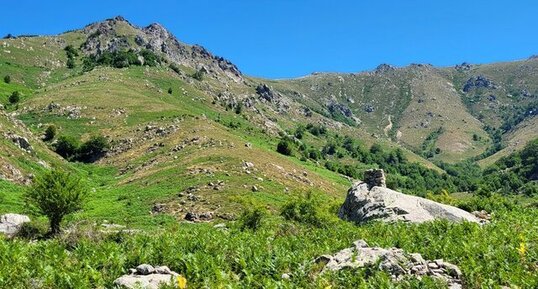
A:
180, 119
235, 181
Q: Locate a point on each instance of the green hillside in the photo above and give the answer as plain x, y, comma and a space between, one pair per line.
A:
160, 131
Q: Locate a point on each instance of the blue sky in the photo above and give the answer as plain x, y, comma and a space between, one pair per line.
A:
288, 38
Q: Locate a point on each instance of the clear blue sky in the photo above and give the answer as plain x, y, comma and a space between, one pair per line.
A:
288, 38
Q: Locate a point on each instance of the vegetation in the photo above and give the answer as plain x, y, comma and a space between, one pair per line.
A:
50, 133
87, 152
55, 195
15, 97
7, 79
121, 59
199, 75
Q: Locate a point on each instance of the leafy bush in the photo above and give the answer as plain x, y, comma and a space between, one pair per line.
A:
93, 149
150, 58
67, 147
199, 75
252, 219
7, 79
175, 68
170, 90
306, 210
55, 195
71, 63
285, 147
50, 132
71, 51
15, 97
90, 151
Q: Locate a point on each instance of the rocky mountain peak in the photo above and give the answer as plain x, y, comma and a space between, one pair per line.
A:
118, 34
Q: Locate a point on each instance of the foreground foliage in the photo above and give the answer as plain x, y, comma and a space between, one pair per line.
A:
503, 252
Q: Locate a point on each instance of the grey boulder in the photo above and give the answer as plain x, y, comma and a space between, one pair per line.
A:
397, 263
146, 277
10, 224
365, 204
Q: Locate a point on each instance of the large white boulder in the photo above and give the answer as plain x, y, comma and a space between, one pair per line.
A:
364, 204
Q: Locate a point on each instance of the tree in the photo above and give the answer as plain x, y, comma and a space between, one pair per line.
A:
50, 132
170, 90
15, 97
93, 149
67, 147
7, 79
55, 195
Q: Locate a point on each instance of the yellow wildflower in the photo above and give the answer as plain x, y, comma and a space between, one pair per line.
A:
181, 282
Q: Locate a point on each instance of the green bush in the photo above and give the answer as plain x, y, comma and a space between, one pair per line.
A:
285, 147
93, 149
7, 79
71, 63
199, 75
307, 211
175, 68
252, 219
170, 91
50, 132
56, 194
67, 147
15, 97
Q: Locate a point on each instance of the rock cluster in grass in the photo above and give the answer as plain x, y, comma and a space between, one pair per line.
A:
10, 224
147, 277
394, 261
19, 141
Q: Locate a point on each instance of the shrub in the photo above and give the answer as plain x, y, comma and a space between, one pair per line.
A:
71, 51
170, 90
175, 68
15, 97
198, 75
55, 195
50, 132
305, 211
285, 147
71, 63
93, 149
7, 79
67, 147
252, 219
150, 58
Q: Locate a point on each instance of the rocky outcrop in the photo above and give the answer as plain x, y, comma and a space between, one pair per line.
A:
10, 224
147, 277
105, 36
19, 141
394, 261
479, 81
365, 202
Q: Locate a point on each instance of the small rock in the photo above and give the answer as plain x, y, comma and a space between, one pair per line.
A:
145, 269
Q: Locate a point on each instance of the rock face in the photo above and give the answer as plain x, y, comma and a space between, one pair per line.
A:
108, 36
479, 81
19, 141
10, 224
392, 260
147, 277
366, 203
